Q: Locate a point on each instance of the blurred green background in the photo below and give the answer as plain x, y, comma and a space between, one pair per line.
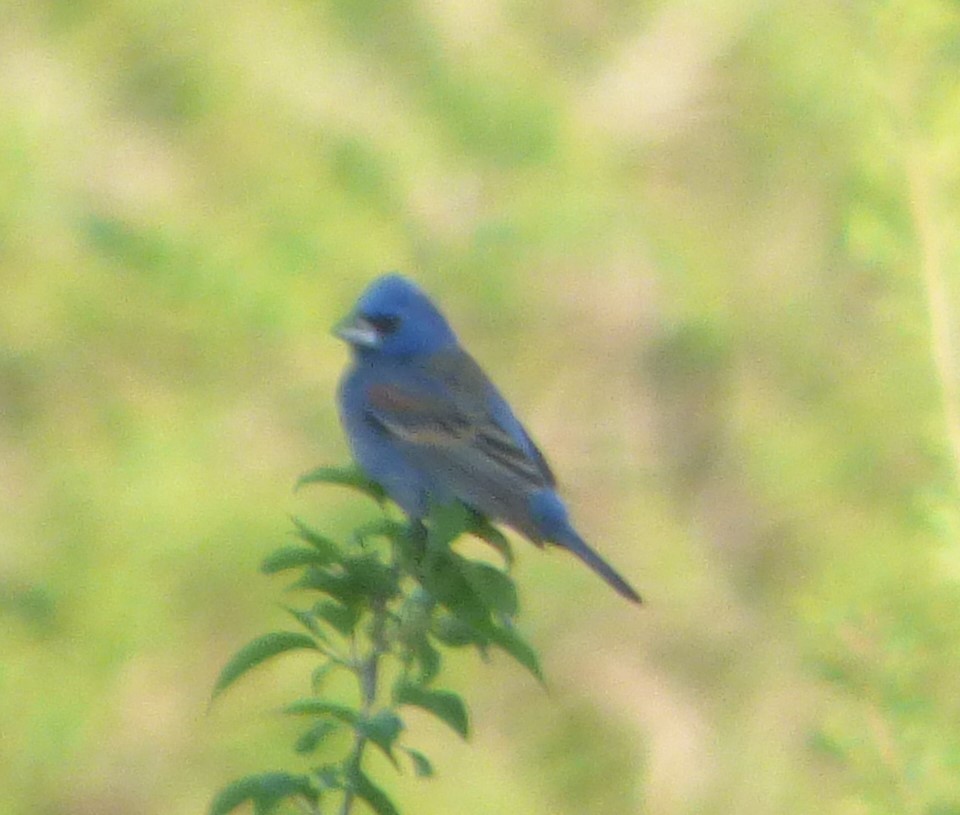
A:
709, 251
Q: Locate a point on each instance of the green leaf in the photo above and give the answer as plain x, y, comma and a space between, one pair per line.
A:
381, 528
510, 641
322, 544
415, 615
329, 777
382, 729
428, 658
292, 557
421, 764
443, 578
481, 528
410, 546
258, 651
493, 586
344, 477
307, 620
373, 795
452, 631
447, 523
337, 584
445, 705
310, 740
358, 580
320, 674
371, 576
266, 791
320, 707
416, 620
342, 618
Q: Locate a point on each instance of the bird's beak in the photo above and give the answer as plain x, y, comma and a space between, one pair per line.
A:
357, 331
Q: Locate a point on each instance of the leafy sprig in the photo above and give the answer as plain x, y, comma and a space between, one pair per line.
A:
384, 607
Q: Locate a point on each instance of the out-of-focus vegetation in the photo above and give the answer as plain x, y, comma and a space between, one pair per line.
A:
709, 249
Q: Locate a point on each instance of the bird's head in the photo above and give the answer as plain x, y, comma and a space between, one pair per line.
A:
394, 317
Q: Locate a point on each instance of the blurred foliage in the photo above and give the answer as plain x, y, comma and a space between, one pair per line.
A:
731, 224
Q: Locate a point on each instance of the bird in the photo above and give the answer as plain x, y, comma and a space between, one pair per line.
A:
424, 421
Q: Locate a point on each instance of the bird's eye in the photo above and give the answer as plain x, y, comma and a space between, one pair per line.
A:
384, 323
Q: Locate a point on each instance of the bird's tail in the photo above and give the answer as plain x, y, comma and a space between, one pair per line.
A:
573, 542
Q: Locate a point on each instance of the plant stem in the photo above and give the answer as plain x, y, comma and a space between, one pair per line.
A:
367, 674
932, 252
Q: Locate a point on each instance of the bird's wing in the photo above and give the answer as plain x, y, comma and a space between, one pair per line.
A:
503, 417
451, 423
426, 420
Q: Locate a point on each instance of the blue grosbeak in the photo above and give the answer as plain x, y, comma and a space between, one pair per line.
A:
425, 422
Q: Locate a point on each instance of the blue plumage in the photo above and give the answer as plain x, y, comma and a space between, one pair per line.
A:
425, 422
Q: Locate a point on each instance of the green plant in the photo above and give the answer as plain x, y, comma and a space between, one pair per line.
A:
382, 607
